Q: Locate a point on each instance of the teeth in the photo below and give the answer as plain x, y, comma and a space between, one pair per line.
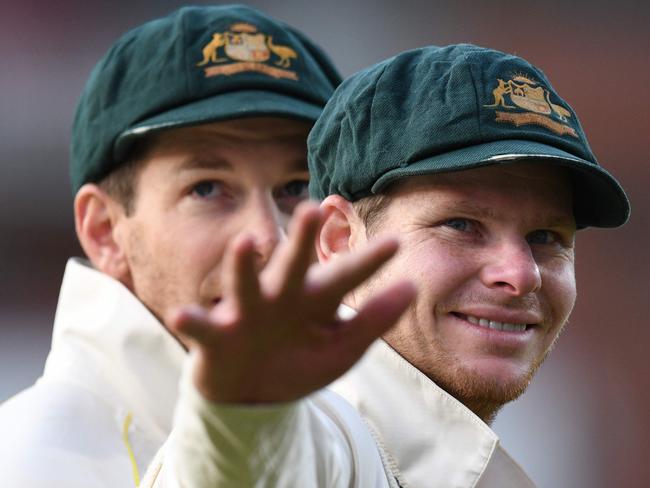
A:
493, 324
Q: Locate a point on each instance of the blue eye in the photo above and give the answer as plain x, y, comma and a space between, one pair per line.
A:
462, 225
542, 237
289, 195
207, 189
296, 189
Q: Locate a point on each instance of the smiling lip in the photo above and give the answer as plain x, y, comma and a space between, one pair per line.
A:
500, 324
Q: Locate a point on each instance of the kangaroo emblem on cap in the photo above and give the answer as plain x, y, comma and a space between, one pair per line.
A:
246, 49
526, 93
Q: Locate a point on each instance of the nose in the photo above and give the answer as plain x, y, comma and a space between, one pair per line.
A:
265, 224
512, 268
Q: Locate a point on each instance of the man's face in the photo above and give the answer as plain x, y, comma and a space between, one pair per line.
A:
198, 187
491, 251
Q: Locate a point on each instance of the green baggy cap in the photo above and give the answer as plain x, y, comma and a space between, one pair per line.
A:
197, 65
440, 109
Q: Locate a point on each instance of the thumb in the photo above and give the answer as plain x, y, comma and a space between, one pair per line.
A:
192, 325
381, 312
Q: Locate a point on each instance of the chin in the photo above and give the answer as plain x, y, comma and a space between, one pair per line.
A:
496, 383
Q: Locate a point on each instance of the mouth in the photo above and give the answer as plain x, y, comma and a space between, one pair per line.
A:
493, 324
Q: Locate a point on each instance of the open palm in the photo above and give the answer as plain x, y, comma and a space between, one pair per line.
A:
276, 336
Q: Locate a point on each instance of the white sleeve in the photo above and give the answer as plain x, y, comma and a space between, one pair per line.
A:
317, 442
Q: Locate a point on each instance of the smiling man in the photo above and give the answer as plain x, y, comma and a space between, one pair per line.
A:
485, 174
470, 158
491, 251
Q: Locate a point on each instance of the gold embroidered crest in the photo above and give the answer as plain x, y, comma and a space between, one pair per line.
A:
243, 48
525, 93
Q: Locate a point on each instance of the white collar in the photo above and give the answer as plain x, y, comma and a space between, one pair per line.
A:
430, 437
107, 341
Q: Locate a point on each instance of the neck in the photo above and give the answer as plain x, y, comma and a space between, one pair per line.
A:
483, 409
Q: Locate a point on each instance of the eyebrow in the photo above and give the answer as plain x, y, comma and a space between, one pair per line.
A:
219, 163
469, 207
212, 163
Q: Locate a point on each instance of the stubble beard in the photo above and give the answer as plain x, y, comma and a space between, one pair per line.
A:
483, 394
150, 285
479, 391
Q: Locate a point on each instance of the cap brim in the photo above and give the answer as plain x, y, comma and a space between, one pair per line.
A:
598, 199
224, 106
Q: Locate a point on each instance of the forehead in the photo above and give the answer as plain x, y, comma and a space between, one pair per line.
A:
519, 186
256, 129
525, 176
254, 143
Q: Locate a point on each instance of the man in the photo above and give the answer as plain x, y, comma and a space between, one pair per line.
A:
179, 144
471, 158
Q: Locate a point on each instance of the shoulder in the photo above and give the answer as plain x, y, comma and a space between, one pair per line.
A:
59, 435
49, 408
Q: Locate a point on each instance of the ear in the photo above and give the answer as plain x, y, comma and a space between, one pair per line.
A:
97, 217
342, 230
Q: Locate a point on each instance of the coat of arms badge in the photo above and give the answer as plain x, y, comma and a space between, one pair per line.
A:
522, 92
243, 48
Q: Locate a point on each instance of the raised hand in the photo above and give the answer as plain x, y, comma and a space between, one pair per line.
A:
275, 336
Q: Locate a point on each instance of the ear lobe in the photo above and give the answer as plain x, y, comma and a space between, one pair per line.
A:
341, 228
97, 216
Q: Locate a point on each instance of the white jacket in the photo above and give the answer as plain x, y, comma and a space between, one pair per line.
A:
105, 402
383, 424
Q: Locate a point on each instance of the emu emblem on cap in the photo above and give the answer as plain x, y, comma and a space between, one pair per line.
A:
525, 93
246, 49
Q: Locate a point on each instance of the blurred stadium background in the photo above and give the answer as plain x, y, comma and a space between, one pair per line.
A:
585, 420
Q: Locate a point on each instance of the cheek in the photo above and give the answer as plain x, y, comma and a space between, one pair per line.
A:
194, 236
437, 267
560, 290
187, 250
201, 250
443, 276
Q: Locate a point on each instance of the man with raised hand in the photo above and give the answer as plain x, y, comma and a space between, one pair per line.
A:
190, 132
472, 160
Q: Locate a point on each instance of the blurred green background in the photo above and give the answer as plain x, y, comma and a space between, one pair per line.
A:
585, 419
